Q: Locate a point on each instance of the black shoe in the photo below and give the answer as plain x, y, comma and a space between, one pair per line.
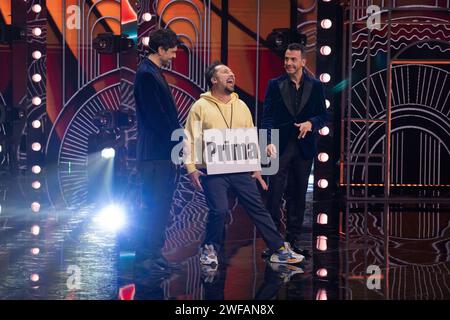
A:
296, 247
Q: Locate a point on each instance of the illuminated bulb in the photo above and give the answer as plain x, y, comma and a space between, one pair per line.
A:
322, 218
145, 41
326, 23
36, 169
35, 230
36, 101
37, 32
147, 17
36, 146
36, 55
35, 251
327, 103
321, 294
321, 243
325, 77
323, 157
322, 183
35, 206
324, 131
36, 185
322, 272
36, 8
325, 50
34, 277
36, 77
36, 124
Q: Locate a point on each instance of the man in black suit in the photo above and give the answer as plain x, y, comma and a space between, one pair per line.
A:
295, 105
157, 118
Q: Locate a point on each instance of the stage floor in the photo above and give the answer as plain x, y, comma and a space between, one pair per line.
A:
386, 251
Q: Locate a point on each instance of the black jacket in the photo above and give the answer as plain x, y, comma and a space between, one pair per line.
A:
156, 113
279, 112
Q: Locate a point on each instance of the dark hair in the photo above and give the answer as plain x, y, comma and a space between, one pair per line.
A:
211, 71
165, 38
297, 46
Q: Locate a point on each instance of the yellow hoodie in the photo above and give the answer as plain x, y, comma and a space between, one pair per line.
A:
210, 113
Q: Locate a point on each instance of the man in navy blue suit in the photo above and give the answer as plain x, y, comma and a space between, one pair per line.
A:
157, 118
295, 105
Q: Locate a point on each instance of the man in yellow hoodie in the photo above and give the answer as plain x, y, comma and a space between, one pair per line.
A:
221, 108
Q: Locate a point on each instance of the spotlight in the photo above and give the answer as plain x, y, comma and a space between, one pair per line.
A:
322, 183
36, 146
108, 153
35, 230
147, 16
322, 272
37, 32
35, 251
36, 169
36, 77
1, 148
111, 217
321, 243
321, 294
323, 157
36, 124
36, 101
109, 43
36, 185
325, 50
327, 103
34, 277
325, 77
322, 218
324, 131
326, 23
36, 55
36, 8
35, 206
145, 41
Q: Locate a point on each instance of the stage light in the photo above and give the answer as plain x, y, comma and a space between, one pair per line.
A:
108, 153
326, 23
34, 277
36, 185
36, 124
37, 32
325, 50
36, 55
36, 169
111, 217
324, 131
325, 77
35, 230
36, 8
321, 294
145, 41
323, 157
36, 101
322, 218
1, 148
147, 17
35, 206
321, 243
322, 183
327, 103
36, 77
35, 251
322, 272
36, 146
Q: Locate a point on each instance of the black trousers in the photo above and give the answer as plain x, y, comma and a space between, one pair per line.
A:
295, 170
245, 188
158, 185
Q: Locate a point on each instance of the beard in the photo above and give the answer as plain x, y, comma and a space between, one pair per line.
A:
229, 90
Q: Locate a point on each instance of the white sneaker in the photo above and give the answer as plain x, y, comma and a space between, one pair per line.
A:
287, 245
284, 255
208, 255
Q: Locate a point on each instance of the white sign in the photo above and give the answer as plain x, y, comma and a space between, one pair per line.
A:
231, 150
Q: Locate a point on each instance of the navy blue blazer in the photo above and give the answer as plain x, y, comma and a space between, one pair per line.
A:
156, 113
279, 113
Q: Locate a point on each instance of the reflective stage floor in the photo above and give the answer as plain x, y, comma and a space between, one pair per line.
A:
384, 251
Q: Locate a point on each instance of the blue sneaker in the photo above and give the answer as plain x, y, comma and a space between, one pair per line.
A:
285, 255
